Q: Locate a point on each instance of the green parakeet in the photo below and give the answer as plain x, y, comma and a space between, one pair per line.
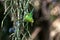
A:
28, 18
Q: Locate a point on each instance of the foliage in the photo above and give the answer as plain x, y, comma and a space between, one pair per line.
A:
17, 9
